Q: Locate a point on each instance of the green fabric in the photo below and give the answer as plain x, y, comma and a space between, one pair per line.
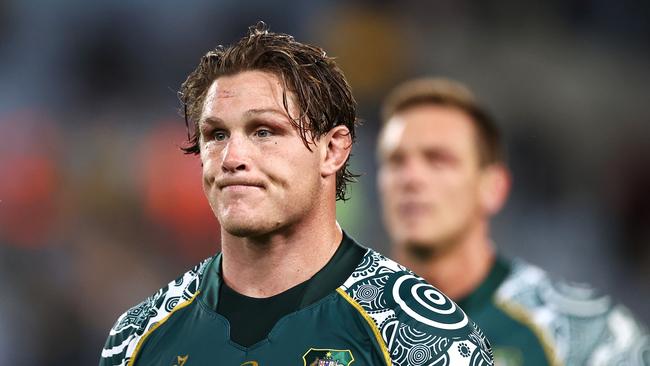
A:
321, 323
251, 319
513, 342
381, 314
202, 335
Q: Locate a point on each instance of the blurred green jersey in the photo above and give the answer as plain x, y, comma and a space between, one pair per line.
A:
533, 320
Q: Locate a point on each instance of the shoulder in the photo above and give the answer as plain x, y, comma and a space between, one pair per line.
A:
133, 324
417, 322
584, 325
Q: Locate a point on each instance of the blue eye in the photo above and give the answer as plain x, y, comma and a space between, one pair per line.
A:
219, 135
263, 133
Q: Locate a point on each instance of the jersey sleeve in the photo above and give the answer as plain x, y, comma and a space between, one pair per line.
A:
418, 324
127, 330
131, 327
584, 325
625, 341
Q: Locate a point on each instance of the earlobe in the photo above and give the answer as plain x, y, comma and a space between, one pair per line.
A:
336, 149
495, 187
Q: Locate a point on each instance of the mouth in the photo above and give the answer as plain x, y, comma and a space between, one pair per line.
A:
239, 188
413, 209
239, 184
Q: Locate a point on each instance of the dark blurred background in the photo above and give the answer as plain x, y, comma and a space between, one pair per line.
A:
99, 208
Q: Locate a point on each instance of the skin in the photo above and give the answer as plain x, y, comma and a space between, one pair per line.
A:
437, 198
274, 199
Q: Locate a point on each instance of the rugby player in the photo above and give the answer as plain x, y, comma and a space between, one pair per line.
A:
442, 176
273, 122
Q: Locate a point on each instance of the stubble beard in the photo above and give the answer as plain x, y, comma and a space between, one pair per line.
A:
260, 225
256, 225
425, 251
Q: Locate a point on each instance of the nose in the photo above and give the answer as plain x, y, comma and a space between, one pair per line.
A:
412, 175
235, 155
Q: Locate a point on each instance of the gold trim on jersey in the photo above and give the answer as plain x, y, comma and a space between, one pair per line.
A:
373, 326
158, 324
520, 314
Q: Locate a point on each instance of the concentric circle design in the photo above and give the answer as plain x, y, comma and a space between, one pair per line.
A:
418, 355
426, 304
367, 292
171, 303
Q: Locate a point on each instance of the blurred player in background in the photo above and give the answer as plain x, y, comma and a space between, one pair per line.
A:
273, 121
442, 176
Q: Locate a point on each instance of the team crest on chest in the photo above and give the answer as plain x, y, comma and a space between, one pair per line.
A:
181, 360
328, 357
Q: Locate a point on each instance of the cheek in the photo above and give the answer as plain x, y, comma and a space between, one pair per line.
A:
308, 175
462, 196
450, 180
385, 179
387, 185
288, 173
207, 173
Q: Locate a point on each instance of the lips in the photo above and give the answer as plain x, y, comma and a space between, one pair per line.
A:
235, 188
413, 209
238, 184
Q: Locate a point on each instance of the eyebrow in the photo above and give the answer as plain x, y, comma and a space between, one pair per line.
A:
249, 114
258, 111
210, 121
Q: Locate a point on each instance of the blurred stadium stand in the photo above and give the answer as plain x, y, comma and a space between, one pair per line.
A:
99, 208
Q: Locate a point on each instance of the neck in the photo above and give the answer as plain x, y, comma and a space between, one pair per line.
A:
459, 269
266, 266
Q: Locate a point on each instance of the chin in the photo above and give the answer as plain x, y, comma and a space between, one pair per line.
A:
244, 227
429, 244
419, 243
419, 236
239, 231
422, 239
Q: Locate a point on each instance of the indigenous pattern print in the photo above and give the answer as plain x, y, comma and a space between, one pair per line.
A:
414, 322
418, 323
584, 327
132, 325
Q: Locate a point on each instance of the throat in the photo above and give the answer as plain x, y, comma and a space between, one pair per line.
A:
262, 270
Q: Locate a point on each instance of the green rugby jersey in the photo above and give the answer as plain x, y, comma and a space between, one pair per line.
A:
382, 314
532, 320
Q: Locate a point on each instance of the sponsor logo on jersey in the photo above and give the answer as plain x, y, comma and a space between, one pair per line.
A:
328, 357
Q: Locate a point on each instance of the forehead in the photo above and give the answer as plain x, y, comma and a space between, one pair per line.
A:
244, 90
428, 126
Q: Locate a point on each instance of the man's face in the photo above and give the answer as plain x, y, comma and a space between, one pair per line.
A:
257, 173
429, 176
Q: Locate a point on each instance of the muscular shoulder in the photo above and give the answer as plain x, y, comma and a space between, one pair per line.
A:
417, 323
130, 327
584, 325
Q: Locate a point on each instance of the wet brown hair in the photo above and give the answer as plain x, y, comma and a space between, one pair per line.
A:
446, 92
322, 93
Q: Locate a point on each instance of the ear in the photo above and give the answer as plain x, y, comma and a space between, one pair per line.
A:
335, 148
495, 187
